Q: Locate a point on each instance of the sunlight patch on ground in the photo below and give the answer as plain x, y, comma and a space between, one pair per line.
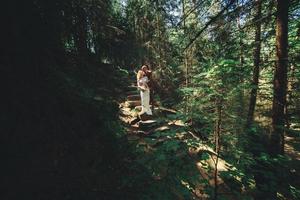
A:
289, 149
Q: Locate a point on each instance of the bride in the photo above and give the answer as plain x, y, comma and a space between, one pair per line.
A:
142, 83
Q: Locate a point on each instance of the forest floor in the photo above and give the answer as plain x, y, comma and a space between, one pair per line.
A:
292, 147
292, 150
177, 160
291, 138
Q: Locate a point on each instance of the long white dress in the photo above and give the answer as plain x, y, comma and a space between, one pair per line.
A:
145, 95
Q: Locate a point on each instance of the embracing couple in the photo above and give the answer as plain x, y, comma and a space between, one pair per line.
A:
144, 85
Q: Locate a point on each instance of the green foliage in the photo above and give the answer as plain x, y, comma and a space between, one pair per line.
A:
295, 192
173, 173
67, 62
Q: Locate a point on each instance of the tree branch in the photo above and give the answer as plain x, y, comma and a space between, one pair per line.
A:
209, 22
189, 12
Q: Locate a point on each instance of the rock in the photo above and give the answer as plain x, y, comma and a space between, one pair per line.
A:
162, 128
126, 112
145, 117
148, 122
132, 104
127, 119
136, 126
134, 121
176, 123
139, 108
159, 129
146, 125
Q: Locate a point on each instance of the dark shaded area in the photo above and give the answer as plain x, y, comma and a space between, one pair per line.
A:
64, 66
57, 142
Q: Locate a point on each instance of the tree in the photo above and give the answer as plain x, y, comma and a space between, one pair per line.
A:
255, 75
280, 79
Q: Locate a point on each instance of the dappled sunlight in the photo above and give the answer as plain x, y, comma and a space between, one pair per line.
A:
146, 100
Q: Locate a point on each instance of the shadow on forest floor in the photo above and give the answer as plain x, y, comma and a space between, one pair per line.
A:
179, 163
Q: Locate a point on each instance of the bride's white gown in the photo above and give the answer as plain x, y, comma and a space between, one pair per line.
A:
145, 96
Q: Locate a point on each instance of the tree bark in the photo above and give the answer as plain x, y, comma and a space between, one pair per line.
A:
255, 76
280, 79
184, 53
240, 111
217, 144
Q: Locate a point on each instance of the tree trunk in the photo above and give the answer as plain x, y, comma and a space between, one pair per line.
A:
255, 76
217, 144
185, 54
280, 79
159, 41
240, 111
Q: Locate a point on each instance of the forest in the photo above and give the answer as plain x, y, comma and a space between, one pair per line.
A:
225, 97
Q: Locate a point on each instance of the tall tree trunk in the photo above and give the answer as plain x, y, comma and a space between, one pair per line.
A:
280, 79
185, 56
159, 41
219, 106
255, 76
185, 53
240, 111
